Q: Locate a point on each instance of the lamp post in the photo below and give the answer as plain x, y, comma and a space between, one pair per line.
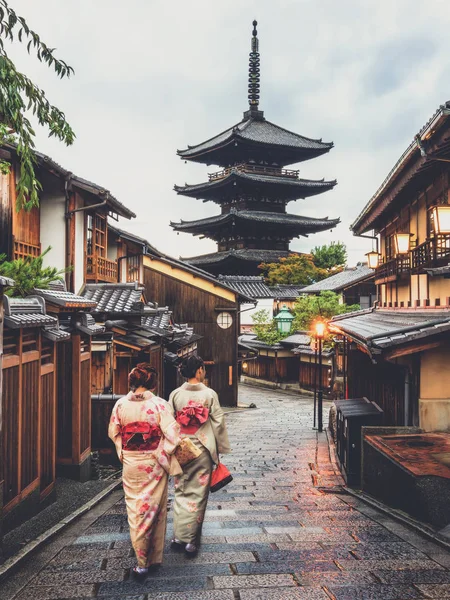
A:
320, 330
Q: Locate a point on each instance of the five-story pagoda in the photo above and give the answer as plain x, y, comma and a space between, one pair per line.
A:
253, 188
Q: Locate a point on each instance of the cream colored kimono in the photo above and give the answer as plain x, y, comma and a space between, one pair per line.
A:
198, 411
145, 472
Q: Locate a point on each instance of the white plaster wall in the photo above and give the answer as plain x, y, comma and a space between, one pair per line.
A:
79, 251
263, 304
53, 230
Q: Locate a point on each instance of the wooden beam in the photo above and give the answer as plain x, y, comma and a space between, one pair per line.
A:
412, 348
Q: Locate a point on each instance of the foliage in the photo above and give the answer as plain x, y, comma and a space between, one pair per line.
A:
304, 269
29, 273
293, 269
18, 95
266, 329
308, 308
330, 256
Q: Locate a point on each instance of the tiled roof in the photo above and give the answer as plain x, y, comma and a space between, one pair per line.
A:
296, 222
438, 271
86, 323
55, 334
251, 285
27, 312
259, 132
115, 297
286, 291
287, 187
297, 339
378, 329
6, 282
250, 341
341, 280
247, 254
65, 299
160, 320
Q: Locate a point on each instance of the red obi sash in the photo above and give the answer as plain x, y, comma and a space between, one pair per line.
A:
192, 416
140, 435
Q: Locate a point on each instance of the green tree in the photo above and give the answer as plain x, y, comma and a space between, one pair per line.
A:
308, 308
330, 256
29, 273
293, 269
20, 96
265, 328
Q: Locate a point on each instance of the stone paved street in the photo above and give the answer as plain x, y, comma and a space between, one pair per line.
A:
277, 532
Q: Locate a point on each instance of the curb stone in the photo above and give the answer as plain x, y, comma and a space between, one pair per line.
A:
14, 561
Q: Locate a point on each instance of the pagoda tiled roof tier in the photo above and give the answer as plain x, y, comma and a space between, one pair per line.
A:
291, 225
255, 180
243, 261
256, 139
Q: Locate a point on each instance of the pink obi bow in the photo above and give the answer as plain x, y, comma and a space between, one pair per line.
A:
193, 415
146, 436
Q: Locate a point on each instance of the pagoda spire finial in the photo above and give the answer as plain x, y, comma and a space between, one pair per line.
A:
254, 77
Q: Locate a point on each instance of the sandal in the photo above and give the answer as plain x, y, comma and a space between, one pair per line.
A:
139, 573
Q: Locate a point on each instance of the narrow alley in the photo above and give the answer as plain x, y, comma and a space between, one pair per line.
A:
282, 530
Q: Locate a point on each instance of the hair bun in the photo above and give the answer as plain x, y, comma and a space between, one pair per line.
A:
143, 375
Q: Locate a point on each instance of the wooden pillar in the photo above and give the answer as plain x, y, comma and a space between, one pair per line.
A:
1, 421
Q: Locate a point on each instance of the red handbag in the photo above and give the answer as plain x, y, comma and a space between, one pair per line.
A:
220, 477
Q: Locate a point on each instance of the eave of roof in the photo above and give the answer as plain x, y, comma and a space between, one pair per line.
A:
260, 132
251, 285
247, 255
379, 329
360, 225
340, 281
302, 225
65, 299
48, 163
286, 186
6, 281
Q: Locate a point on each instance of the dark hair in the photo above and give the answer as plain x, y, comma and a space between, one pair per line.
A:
190, 366
143, 375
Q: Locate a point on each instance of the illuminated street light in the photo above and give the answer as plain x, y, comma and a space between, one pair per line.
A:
320, 330
373, 259
441, 219
401, 241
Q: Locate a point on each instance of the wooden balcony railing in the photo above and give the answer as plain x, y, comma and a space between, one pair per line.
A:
24, 250
257, 169
100, 269
432, 253
392, 269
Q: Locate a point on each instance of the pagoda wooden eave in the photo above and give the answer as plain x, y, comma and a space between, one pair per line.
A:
243, 220
256, 139
234, 182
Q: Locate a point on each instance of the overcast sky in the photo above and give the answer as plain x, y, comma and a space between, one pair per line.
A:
152, 76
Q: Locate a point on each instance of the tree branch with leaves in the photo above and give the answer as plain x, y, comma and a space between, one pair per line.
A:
19, 96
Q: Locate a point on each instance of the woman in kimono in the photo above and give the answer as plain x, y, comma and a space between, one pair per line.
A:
197, 410
145, 435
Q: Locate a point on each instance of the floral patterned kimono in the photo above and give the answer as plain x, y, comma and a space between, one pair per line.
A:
198, 412
145, 435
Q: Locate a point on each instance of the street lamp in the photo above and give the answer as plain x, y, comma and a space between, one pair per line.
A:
284, 320
320, 329
401, 241
441, 219
373, 259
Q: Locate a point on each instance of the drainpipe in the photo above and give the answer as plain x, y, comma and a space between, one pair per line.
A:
407, 397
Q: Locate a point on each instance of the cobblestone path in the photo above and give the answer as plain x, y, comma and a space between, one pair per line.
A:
277, 532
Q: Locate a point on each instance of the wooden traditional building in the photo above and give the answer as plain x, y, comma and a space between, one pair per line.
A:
291, 361
71, 218
399, 351
253, 188
210, 306
131, 331
354, 285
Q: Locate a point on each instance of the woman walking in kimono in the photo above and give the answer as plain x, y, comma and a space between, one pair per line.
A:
145, 435
198, 412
